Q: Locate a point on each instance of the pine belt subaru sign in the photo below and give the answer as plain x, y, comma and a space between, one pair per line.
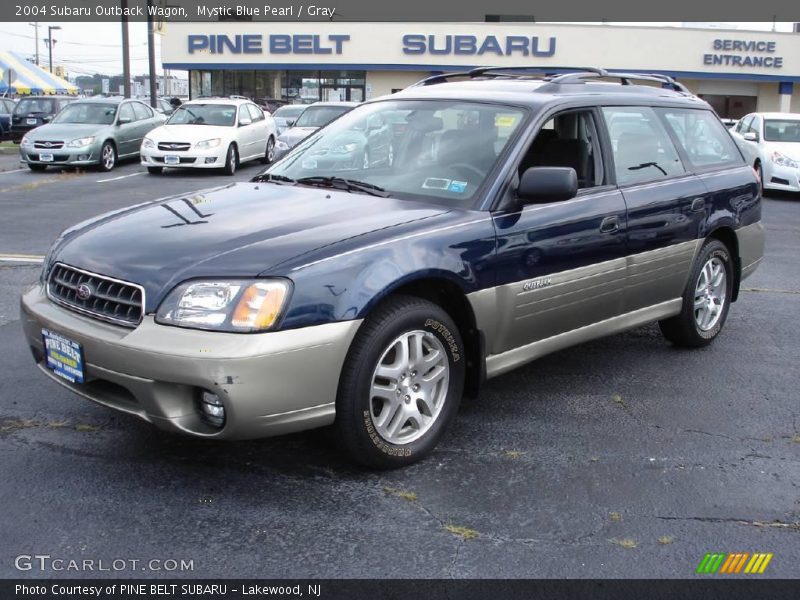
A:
255, 43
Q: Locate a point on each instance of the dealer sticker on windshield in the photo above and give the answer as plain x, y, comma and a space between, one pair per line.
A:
63, 356
458, 187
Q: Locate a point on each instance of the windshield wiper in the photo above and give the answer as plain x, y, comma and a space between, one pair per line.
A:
645, 165
346, 185
270, 178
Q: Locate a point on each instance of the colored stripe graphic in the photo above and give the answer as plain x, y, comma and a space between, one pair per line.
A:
734, 562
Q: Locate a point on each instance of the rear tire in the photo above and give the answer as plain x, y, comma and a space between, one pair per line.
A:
269, 154
401, 384
37, 167
155, 170
706, 299
231, 160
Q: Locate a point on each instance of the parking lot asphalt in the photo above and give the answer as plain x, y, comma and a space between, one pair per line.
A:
623, 457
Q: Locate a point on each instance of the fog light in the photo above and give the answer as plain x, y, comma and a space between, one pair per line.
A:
212, 411
211, 159
83, 157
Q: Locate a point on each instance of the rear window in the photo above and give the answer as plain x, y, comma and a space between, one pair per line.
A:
29, 106
641, 146
704, 139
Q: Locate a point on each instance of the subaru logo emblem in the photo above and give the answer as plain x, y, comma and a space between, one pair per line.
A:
84, 291
47, 145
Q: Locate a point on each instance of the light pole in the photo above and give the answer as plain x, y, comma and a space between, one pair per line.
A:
126, 52
36, 26
151, 54
51, 42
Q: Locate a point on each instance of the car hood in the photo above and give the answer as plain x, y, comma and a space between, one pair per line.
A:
788, 149
65, 131
295, 135
188, 133
239, 230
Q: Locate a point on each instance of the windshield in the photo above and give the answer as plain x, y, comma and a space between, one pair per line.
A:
204, 114
85, 112
787, 130
289, 112
319, 116
29, 106
417, 149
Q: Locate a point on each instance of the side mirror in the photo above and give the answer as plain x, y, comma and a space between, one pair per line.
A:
245, 121
750, 136
124, 120
47, 118
539, 185
290, 122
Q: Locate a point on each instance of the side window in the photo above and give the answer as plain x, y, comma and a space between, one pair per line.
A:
141, 111
743, 124
244, 113
568, 140
641, 146
126, 112
255, 113
755, 126
702, 137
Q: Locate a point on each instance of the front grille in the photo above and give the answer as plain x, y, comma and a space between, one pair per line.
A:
183, 159
48, 145
101, 297
173, 146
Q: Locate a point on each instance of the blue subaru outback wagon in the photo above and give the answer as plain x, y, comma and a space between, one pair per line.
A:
511, 214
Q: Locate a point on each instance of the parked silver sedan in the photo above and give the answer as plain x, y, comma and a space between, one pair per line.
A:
96, 131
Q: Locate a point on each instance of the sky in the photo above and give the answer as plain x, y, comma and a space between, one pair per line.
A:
87, 48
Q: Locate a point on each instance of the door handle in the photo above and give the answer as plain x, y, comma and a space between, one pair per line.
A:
609, 225
698, 205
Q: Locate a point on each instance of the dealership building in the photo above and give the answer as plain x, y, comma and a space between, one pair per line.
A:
736, 71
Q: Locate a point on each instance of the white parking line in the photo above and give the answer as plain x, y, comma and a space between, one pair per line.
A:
11, 171
23, 258
118, 178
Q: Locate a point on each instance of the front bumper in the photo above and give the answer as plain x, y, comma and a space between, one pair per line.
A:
213, 158
76, 157
270, 383
777, 177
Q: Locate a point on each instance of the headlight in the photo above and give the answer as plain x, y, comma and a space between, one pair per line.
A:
345, 148
26, 141
148, 143
80, 142
225, 305
783, 161
212, 143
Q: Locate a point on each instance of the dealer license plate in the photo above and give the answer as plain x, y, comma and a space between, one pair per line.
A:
31, 121
63, 356
171, 159
46, 157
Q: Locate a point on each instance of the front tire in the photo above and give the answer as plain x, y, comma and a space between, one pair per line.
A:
401, 384
231, 160
706, 299
108, 157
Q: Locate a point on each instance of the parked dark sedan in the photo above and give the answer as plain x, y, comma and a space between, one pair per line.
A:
6, 108
32, 111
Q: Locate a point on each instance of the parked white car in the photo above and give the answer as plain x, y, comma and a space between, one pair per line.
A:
211, 133
771, 143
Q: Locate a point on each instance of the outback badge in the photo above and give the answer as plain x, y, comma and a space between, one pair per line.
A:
536, 284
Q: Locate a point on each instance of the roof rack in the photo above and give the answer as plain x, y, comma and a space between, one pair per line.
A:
557, 76
625, 79
542, 72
